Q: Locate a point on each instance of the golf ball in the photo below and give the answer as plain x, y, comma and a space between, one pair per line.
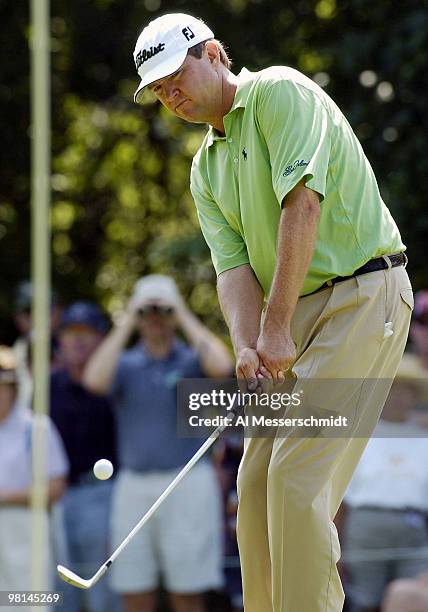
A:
103, 469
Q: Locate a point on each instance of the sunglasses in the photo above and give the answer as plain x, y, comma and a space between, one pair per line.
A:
155, 309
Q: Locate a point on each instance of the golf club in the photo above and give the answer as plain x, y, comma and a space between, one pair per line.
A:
72, 578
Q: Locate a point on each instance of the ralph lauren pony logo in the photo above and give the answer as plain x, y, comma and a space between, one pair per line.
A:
244, 154
289, 169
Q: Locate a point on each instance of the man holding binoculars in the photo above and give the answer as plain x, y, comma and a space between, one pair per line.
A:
142, 381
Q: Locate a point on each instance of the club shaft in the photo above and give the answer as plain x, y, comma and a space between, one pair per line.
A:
203, 449
85, 584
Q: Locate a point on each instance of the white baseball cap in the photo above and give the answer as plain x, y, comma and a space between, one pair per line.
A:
156, 287
162, 46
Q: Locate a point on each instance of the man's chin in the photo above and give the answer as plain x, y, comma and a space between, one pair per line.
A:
188, 112
191, 117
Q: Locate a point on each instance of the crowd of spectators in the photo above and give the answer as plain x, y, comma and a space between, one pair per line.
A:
113, 396
383, 520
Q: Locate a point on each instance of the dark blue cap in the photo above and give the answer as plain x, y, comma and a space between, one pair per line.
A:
85, 313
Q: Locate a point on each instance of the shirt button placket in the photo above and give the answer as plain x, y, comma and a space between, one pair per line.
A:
233, 155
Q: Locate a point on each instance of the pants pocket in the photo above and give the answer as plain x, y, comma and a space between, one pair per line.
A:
407, 296
372, 299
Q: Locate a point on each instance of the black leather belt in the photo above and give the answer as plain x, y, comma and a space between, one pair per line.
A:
380, 263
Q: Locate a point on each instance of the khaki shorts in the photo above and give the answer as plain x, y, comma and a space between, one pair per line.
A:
370, 530
15, 554
181, 543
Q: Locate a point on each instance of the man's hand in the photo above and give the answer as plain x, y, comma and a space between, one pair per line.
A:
277, 353
214, 356
171, 300
181, 311
14, 498
297, 234
247, 368
129, 316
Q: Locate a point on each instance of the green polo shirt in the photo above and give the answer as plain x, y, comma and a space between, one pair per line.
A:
282, 128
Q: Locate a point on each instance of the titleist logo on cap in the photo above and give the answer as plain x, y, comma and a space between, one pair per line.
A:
145, 54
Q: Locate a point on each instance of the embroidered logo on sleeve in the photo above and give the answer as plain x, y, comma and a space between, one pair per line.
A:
289, 169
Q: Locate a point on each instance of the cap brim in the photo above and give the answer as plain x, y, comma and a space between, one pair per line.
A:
161, 71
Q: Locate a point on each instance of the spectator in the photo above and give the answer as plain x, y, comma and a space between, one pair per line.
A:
23, 321
419, 329
409, 595
182, 541
85, 422
228, 455
419, 357
16, 423
388, 496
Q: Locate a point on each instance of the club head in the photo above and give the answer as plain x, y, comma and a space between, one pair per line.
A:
72, 578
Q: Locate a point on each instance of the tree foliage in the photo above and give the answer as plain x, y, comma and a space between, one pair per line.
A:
121, 204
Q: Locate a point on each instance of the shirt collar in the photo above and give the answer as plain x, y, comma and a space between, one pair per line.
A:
147, 358
245, 79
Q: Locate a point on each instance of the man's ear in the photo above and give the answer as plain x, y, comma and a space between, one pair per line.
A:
212, 51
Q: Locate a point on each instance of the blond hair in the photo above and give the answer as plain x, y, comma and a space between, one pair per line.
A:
197, 51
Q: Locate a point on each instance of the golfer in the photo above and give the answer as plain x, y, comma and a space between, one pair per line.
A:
311, 280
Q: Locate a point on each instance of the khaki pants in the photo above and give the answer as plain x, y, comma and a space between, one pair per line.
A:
290, 487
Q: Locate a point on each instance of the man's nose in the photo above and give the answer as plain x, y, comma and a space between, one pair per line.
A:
170, 91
